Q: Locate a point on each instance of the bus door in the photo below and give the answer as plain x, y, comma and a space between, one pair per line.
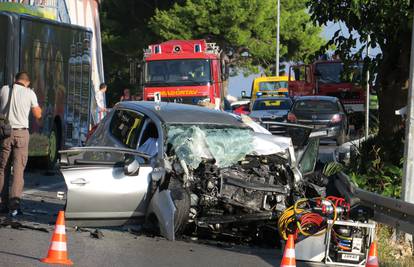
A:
300, 80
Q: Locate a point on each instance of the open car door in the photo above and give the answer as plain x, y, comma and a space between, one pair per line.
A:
107, 186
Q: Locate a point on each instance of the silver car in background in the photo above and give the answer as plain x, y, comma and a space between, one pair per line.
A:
270, 110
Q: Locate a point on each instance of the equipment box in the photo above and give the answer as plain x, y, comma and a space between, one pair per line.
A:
348, 242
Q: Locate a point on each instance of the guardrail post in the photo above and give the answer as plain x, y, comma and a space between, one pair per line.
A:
408, 174
408, 177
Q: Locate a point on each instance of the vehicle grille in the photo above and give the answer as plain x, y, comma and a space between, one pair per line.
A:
274, 128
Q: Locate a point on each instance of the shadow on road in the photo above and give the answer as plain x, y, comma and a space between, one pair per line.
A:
40, 211
18, 255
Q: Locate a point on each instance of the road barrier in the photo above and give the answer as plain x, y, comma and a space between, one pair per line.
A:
386, 210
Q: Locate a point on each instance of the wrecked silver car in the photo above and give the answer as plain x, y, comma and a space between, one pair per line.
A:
180, 167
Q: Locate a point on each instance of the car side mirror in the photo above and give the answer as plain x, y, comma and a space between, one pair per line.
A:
131, 166
244, 95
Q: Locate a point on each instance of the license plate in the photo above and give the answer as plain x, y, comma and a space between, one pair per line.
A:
350, 257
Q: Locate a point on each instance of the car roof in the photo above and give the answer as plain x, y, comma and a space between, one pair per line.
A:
317, 97
174, 113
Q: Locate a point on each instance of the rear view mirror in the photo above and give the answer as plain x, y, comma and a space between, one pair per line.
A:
131, 165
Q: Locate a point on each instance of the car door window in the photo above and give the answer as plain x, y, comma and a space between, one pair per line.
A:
309, 157
126, 126
148, 143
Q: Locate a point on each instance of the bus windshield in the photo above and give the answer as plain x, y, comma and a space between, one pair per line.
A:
334, 73
177, 72
272, 86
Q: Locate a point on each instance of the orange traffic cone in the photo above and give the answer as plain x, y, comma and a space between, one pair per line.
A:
288, 259
57, 253
372, 260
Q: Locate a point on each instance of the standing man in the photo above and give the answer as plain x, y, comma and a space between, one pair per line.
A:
22, 101
101, 102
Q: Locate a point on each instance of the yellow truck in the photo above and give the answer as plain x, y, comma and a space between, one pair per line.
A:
269, 86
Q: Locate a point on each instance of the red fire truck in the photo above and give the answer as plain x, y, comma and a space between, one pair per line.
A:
327, 77
184, 71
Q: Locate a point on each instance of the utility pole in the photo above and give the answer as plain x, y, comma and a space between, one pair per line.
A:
408, 175
367, 95
277, 38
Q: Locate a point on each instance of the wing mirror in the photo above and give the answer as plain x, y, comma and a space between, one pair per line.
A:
131, 165
244, 95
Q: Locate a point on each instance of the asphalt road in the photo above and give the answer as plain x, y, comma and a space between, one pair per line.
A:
117, 247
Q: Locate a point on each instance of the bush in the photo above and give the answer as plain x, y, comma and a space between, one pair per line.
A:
377, 165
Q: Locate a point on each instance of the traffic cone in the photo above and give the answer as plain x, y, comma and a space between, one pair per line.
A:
57, 253
372, 260
288, 259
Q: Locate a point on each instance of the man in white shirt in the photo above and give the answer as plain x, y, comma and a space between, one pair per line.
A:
100, 102
23, 100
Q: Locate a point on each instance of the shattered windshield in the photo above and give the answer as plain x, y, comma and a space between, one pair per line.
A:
225, 145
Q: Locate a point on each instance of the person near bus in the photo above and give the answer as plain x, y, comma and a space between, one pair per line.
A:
100, 102
126, 95
18, 106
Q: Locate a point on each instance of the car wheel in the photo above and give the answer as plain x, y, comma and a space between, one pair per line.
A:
181, 200
341, 138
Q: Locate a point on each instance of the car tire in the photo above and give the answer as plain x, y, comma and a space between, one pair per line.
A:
181, 200
341, 138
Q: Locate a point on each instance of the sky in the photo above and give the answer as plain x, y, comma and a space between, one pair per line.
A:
240, 83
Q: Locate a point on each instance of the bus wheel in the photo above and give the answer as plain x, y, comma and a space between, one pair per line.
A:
53, 148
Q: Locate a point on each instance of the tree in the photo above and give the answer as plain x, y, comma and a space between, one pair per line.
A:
244, 29
125, 34
388, 23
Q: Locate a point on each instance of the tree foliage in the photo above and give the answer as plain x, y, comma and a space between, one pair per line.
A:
125, 34
388, 23
245, 29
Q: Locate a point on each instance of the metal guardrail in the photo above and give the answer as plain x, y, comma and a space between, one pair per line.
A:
386, 210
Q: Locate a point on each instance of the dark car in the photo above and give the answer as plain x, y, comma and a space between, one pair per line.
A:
321, 112
269, 110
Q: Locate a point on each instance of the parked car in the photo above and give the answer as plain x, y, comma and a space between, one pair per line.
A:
271, 109
241, 107
173, 165
323, 113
